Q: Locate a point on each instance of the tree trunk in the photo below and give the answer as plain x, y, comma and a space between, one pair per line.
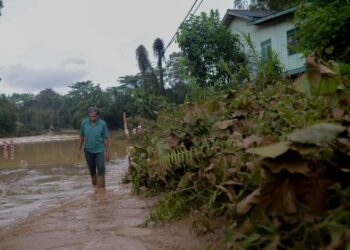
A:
161, 77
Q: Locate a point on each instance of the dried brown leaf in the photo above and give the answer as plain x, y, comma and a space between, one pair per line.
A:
185, 180
232, 182
173, 141
324, 70
277, 194
271, 151
251, 140
251, 165
337, 113
160, 171
223, 124
312, 192
229, 193
247, 203
238, 114
305, 150
211, 178
345, 142
293, 167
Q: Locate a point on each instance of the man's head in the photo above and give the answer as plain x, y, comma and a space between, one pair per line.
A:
93, 114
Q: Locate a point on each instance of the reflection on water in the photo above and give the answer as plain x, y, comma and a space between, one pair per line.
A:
48, 153
42, 174
8, 149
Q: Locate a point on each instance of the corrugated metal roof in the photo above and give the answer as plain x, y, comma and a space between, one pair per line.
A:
275, 15
255, 16
250, 15
253, 13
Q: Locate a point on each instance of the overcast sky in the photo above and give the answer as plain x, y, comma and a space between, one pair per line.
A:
53, 43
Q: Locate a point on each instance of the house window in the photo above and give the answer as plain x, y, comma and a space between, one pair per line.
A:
291, 41
265, 48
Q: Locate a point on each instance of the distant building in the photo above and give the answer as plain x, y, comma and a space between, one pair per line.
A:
269, 30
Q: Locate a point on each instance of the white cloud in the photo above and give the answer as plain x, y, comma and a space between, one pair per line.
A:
23, 79
73, 61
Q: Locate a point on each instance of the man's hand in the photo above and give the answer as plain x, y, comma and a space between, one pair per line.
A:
106, 156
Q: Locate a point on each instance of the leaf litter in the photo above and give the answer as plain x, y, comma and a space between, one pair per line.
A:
274, 163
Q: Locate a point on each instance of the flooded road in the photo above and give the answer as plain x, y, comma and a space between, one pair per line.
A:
43, 173
47, 202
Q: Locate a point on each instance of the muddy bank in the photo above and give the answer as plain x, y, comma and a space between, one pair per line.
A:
38, 138
96, 219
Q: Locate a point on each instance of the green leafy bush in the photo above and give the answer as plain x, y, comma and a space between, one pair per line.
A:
322, 26
236, 156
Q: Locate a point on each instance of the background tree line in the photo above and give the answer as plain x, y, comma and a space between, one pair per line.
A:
24, 114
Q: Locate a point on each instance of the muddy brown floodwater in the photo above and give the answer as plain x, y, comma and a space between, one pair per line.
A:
47, 202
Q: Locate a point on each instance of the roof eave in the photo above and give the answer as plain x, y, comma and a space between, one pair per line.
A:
274, 15
230, 15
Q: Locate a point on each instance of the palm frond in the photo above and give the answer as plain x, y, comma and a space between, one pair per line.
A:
143, 59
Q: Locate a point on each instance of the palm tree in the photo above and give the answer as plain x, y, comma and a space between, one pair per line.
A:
158, 50
149, 78
144, 65
1, 6
142, 59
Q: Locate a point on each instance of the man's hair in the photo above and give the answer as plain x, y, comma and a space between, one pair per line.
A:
92, 109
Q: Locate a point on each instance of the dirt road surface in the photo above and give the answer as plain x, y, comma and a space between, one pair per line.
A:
98, 219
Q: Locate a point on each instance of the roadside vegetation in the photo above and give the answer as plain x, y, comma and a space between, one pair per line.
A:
255, 155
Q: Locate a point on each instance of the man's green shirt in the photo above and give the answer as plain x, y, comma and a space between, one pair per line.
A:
94, 135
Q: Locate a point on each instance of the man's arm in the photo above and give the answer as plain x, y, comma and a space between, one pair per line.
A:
106, 142
81, 142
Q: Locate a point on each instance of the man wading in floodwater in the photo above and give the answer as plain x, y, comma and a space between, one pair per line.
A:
94, 136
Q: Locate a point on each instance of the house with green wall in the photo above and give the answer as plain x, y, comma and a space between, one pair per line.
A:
269, 30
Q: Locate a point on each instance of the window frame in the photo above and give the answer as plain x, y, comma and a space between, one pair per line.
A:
291, 33
265, 47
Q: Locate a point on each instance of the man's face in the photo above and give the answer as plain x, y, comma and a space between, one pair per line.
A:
93, 117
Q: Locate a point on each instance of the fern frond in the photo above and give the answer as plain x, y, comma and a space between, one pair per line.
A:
177, 157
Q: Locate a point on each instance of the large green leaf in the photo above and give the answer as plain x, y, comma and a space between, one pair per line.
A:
328, 85
316, 134
303, 85
162, 146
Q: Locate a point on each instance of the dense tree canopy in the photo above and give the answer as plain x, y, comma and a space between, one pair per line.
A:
205, 44
323, 26
83, 95
7, 116
176, 71
275, 5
